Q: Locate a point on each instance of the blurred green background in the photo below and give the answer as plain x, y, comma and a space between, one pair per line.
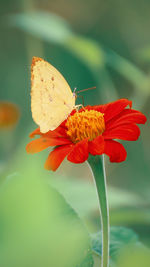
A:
92, 43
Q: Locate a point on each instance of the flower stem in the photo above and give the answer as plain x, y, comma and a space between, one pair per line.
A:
98, 170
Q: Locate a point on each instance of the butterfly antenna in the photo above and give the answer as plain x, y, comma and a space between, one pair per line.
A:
83, 90
80, 91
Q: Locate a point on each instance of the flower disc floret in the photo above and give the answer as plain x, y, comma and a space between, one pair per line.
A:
86, 124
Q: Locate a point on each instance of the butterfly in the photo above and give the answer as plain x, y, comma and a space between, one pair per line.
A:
51, 97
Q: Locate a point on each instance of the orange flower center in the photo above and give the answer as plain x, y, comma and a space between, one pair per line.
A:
86, 124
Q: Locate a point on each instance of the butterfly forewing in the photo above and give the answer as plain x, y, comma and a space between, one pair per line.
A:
51, 97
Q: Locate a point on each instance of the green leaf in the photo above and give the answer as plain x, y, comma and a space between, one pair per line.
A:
52, 28
119, 238
38, 227
82, 195
127, 69
87, 50
44, 25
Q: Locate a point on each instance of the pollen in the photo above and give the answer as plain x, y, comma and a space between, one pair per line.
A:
86, 124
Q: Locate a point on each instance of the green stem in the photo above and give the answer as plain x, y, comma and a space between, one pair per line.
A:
98, 170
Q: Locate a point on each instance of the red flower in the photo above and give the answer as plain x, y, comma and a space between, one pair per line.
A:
90, 130
9, 115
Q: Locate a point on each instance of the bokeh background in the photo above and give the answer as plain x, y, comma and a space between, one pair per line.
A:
92, 43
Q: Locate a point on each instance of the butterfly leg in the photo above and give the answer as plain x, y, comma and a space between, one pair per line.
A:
78, 106
81, 96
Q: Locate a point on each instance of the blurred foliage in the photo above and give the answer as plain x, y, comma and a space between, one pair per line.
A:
38, 227
46, 26
92, 43
134, 256
125, 248
119, 238
81, 195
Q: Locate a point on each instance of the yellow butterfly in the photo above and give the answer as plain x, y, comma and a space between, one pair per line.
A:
51, 97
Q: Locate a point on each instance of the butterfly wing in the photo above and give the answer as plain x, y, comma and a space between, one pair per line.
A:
51, 97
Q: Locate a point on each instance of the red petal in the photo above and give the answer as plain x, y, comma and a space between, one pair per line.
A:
56, 157
125, 117
115, 151
73, 112
60, 131
96, 147
79, 152
112, 109
35, 132
128, 132
42, 143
